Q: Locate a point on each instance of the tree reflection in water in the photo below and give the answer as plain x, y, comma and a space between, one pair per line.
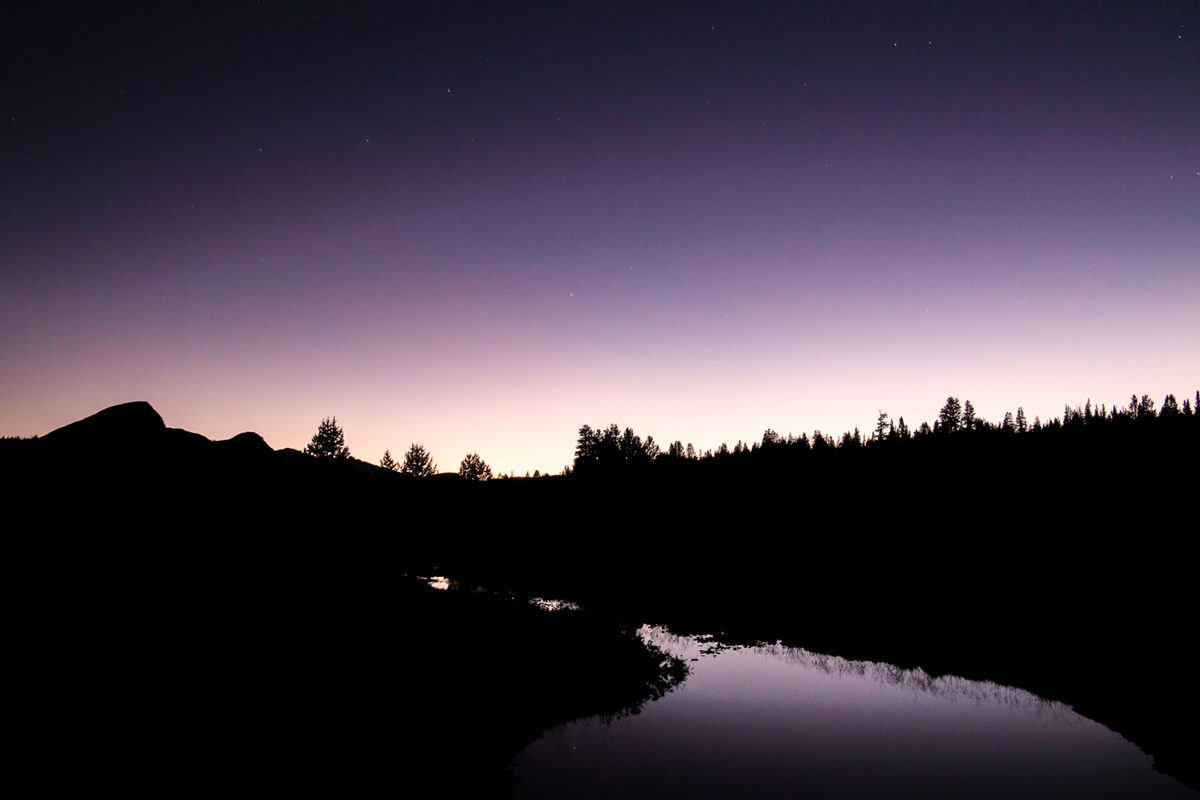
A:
774, 721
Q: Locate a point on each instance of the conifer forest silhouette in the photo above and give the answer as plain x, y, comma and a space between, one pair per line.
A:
224, 610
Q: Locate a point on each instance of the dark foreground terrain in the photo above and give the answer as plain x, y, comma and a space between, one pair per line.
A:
196, 613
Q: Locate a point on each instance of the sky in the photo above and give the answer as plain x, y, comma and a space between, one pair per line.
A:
480, 226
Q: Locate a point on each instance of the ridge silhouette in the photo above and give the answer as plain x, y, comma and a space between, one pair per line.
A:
120, 425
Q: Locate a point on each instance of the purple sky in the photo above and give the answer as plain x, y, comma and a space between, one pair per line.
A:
479, 231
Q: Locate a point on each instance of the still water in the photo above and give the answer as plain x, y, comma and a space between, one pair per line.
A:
781, 722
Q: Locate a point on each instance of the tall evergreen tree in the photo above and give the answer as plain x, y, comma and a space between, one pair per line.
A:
950, 417
631, 447
609, 453
1145, 407
473, 468
328, 441
969, 420
881, 427
389, 463
587, 448
418, 462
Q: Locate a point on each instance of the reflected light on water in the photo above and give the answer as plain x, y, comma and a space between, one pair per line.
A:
553, 605
773, 721
435, 581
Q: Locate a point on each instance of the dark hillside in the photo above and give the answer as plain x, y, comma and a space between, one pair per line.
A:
197, 611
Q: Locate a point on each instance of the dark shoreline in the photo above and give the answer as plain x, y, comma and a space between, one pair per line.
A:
1118, 666
303, 678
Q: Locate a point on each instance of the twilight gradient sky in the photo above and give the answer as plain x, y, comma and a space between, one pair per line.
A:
479, 229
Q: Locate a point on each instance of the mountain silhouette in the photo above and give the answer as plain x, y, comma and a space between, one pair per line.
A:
123, 426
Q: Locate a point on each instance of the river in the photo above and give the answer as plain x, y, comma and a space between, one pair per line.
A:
774, 721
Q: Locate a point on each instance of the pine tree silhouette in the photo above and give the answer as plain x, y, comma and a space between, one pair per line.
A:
417, 461
473, 468
328, 441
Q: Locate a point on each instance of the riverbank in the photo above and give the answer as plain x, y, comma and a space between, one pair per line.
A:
307, 680
1106, 632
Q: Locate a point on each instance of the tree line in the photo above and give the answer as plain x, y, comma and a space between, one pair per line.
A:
330, 442
611, 449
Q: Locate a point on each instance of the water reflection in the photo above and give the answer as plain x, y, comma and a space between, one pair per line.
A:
442, 583
784, 722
